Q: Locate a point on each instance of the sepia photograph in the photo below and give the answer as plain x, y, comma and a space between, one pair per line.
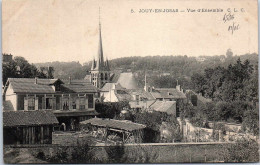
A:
127, 81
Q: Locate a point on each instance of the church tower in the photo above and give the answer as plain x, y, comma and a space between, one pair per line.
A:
100, 71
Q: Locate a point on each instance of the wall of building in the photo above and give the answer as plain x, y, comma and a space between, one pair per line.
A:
18, 101
41, 134
11, 98
109, 96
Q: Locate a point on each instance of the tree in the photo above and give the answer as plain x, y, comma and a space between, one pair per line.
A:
153, 122
229, 53
243, 150
20, 68
199, 83
251, 121
110, 109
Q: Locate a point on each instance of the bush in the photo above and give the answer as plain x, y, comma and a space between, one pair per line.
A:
243, 151
41, 155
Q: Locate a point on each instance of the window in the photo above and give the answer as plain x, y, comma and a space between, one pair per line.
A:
90, 100
73, 98
65, 103
57, 87
82, 102
31, 103
137, 98
49, 103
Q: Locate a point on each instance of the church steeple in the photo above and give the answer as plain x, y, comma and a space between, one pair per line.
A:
100, 71
100, 59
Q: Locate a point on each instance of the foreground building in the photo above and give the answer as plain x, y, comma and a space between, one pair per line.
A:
71, 101
28, 127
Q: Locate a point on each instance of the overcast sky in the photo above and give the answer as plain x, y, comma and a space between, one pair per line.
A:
67, 30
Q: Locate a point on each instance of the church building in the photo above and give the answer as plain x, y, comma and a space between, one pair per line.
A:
100, 71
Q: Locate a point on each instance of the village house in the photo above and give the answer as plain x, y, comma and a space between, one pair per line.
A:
114, 92
169, 94
71, 101
141, 99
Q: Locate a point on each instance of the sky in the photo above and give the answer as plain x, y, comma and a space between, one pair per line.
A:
67, 30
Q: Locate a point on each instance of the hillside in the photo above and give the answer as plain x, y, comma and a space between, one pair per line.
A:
173, 66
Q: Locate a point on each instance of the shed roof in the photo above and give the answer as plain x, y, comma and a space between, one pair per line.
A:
116, 124
28, 85
28, 118
162, 106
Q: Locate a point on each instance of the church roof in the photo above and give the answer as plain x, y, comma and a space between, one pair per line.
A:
128, 81
108, 86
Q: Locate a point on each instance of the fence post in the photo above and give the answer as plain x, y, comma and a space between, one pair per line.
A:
175, 155
190, 154
205, 155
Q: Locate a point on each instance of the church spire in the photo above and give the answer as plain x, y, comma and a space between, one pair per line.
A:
100, 59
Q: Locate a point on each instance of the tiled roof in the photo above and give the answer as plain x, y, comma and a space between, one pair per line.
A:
27, 85
26, 118
116, 124
168, 93
142, 93
162, 106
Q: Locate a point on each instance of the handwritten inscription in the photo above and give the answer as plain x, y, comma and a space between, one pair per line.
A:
233, 27
229, 17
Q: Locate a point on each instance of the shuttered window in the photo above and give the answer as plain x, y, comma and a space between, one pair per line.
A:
31, 103
65, 103
36, 103
26, 103
82, 103
90, 100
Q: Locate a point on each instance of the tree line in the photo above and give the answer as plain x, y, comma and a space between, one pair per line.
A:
19, 67
234, 94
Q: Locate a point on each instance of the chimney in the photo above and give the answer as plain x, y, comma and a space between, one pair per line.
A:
69, 80
36, 80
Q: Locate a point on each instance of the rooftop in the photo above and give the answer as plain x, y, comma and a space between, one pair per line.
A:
170, 93
127, 80
28, 118
162, 106
28, 85
116, 124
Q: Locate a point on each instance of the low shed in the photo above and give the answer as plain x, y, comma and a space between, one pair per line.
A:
28, 127
130, 132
